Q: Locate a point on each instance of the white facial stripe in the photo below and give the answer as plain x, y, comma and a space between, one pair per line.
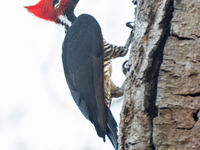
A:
65, 20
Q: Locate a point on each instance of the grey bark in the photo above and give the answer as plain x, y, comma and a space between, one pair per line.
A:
161, 107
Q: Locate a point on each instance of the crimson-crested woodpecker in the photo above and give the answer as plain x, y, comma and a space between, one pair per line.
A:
83, 62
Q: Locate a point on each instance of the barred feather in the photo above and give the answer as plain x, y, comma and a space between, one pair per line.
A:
110, 52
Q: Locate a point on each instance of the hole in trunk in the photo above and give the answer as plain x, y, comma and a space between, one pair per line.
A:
195, 116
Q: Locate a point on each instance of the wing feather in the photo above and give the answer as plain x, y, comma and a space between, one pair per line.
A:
83, 66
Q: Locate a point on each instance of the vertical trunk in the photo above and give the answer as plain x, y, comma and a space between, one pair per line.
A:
162, 92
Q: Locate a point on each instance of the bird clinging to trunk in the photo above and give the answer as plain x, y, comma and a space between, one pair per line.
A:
86, 62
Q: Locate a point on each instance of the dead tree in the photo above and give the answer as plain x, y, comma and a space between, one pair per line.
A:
162, 91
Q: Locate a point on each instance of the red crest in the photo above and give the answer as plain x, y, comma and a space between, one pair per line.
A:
44, 9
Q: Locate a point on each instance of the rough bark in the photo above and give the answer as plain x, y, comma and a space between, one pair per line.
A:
161, 107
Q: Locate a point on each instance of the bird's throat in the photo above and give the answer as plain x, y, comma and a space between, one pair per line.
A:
65, 21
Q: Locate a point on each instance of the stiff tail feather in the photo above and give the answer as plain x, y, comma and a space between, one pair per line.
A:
111, 128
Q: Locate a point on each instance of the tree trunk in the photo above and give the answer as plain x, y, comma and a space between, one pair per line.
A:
162, 91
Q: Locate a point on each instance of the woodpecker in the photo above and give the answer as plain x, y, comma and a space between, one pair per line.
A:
83, 62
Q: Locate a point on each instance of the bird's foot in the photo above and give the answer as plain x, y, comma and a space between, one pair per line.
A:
117, 92
130, 38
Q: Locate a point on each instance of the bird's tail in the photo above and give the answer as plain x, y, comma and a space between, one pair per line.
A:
111, 128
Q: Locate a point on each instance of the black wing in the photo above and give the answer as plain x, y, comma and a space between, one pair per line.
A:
83, 65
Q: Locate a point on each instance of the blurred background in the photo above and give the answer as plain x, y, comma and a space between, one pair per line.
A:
36, 108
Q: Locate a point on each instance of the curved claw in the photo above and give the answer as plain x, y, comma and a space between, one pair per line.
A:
128, 42
129, 24
125, 67
134, 2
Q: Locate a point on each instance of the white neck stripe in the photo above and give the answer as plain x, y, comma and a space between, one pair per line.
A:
65, 20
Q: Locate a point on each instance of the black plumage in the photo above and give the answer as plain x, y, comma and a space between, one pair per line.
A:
83, 62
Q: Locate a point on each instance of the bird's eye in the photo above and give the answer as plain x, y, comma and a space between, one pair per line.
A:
56, 3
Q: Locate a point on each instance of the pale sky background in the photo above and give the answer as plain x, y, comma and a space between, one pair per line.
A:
36, 108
